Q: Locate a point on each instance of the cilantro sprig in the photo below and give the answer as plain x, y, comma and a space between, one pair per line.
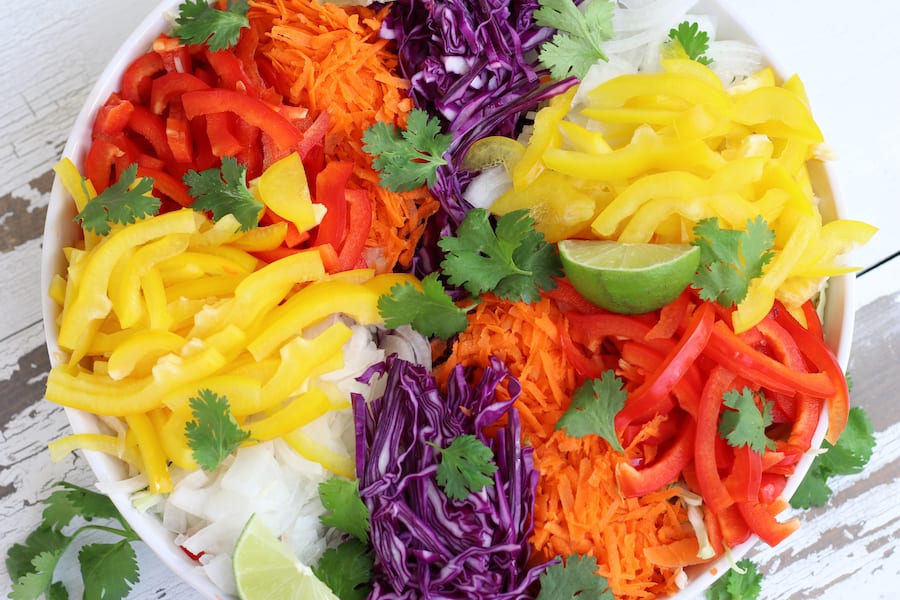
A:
745, 424
581, 31
575, 579
847, 457
125, 201
594, 407
346, 510
407, 158
430, 311
198, 22
466, 466
513, 261
347, 568
224, 191
693, 40
730, 259
213, 434
109, 569
741, 582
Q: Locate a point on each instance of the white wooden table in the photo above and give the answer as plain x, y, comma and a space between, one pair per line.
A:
53, 50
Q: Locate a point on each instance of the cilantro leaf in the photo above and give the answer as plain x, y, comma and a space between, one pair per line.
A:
408, 158
847, 457
693, 40
347, 570
575, 579
730, 259
71, 501
430, 311
124, 202
109, 570
512, 260
466, 466
347, 510
43, 539
198, 22
594, 407
39, 578
213, 434
581, 32
746, 424
741, 582
224, 191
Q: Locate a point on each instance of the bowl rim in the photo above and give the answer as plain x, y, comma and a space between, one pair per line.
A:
60, 228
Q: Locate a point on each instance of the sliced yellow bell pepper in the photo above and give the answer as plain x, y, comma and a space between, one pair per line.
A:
301, 410
284, 189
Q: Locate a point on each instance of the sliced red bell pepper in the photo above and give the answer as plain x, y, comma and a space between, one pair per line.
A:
176, 57
671, 316
112, 118
350, 255
706, 463
178, 136
819, 354
813, 323
771, 486
137, 78
662, 471
584, 367
733, 526
252, 110
167, 185
167, 87
231, 73
596, 327
219, 130
727, 349
99, 164
764, 524
569, 299
331, 187
746, 475
152, 128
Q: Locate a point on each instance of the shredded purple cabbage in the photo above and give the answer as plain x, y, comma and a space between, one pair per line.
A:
473, 63
426, 544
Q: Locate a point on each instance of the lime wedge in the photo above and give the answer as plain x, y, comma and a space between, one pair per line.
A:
628, 278
266, 569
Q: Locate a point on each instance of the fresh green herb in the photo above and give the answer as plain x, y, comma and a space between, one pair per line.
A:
573, 580
347, 511
124, 202
847, 457
581, 31
213, 434
408, 158
109, 570
466, 466
730, 259
741, 582
594, 407
224, 191
745, 424
198, 22
693, 40
347, 570
430, 311
512, 261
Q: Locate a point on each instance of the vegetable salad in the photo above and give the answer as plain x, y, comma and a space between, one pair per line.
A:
319, 283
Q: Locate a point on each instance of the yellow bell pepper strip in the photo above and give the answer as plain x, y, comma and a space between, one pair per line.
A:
301, 410
687, 89
546, 135
247, 262
125, 287
96, 442
193, 264
262, 238
381, 284
214, 286
777, 112
243, 392
582, 139
310, 305
152, 453
57, 291
284, 189
82, 191
154, 291
298, 359
765, 77
172, 437
646, 151
91, 302
694, 69
139, 351
310, 449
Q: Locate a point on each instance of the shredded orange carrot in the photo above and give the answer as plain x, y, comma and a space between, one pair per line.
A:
578, 507
332, 59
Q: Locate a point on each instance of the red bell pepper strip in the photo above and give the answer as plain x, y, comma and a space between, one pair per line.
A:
671, 316
222, 140
178, 136
584, 367
664, 470
813, 324
152, 128
175, 56
137, 78
231, 73
100, 162
252, 110
596, 327
166, 184
331, 185
733, 526
350, 255
712, 488
771, 486
823, 358
170, 86
647, 400
112, 118
746, 475
726, 348
764, 524
330, 259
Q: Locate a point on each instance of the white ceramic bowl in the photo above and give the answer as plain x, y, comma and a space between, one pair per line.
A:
61, 231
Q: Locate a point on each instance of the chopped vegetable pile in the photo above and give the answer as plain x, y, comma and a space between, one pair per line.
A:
318, 282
